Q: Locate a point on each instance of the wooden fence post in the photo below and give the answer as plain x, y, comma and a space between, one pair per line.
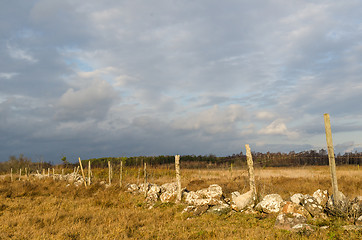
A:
81, 168
19, 174
231, 170
138, 176
109, 173
145, 188
178, 178
53, 174
249, 160
89, 173
332, 161
120, 174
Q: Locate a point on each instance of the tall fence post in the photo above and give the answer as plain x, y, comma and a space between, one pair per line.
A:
89, 173
81, 168
19, 174
145, 188
138, 176
332, 161
109, 173
120, 174
249, 160
178, 178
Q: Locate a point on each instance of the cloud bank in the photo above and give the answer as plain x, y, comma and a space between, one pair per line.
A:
124, 78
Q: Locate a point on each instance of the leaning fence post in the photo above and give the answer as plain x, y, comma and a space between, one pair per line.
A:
81, 168
120, 174
178, 178
249, 160
145, 179
332, 161
89, 173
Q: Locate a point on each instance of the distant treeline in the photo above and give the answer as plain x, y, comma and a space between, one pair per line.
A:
268, 159
22, 162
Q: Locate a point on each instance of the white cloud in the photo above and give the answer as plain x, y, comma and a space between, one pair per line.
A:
5, 75
213, 120
21, 54
264, 115
278, 127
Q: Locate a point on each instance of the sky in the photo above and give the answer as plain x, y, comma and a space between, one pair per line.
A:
117, 78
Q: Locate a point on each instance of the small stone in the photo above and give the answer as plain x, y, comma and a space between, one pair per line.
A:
208, 196
291, 207
133, 188
311, 205
321, 197
219, 209
270, 203
304, 228
296, 198
359, 221
242, 201
288, 220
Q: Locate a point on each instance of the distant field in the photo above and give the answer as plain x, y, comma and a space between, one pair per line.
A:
47, 209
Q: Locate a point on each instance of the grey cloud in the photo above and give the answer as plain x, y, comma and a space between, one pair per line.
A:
134, 77
91, 101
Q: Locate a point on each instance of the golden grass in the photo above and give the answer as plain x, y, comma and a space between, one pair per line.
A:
47, 209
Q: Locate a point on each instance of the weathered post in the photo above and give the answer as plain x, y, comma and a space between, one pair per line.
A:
53, 174
109, 173
89, 173
332, 161
178, 178
43, 172
19, 174
11, 174
62, 171
81, 168
231, 170
145, 187
249, 160
120, 174
138, 176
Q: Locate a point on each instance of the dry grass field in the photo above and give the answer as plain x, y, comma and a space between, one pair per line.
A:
47, 209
